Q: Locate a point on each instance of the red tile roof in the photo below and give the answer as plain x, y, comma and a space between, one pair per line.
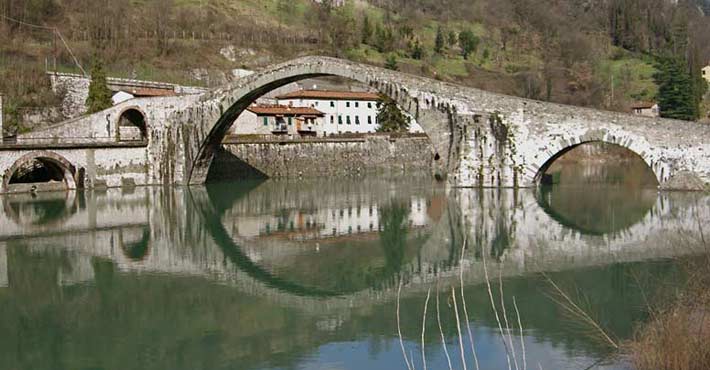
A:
643, 105
276, 110
327, 94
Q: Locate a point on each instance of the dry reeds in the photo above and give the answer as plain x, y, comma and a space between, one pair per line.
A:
678, 336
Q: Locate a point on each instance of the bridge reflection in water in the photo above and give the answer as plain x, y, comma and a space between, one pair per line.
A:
289, 274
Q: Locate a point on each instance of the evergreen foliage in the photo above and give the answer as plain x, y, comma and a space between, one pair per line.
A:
675, 90
439, 42
343, 28
391, 62
384, 39
366, 30
390, 117
452, 38
417, 50
99, 94
468, 43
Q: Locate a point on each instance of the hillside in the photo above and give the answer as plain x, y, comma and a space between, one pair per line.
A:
598, 54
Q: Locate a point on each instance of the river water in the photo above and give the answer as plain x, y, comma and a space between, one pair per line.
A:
306, 274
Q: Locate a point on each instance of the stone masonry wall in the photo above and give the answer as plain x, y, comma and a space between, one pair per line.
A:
327, 158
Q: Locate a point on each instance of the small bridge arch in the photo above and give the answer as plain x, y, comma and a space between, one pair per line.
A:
131, 125
56, 169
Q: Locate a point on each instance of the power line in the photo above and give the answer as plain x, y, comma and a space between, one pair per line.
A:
27, 24
55, 30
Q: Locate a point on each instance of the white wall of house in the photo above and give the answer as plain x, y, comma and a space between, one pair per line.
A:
653, 111
293, 125
706, 73
248, 123
345, 116
342, 116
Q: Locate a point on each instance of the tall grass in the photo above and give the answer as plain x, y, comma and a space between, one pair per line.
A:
678, 334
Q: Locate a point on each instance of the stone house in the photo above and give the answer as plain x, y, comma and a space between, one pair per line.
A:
647, 109
261, 119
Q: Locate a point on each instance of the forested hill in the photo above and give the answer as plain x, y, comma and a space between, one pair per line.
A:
600, 53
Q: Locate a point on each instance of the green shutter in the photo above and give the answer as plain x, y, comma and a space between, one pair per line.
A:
266, 121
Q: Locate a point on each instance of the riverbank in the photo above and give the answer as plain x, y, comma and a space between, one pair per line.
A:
677, 337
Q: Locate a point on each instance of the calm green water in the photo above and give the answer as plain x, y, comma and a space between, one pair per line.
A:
305, 274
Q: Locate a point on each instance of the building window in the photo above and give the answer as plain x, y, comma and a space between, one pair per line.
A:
340, 120
332, 119
357, 120
348, 119
369, 105
290, 122
369, 120
316, 104
266, 121
332, 104
347, 104
357, 105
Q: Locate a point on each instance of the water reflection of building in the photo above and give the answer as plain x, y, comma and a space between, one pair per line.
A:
329, 222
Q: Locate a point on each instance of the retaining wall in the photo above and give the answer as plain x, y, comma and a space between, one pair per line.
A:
322, 158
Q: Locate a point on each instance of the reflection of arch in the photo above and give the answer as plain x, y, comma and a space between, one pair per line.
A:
59, 167
596, 213
562, 147
135, 249
231, 102
131, 125
46, 210
234, 252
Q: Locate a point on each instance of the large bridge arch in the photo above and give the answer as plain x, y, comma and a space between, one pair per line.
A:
211, 118
563, 145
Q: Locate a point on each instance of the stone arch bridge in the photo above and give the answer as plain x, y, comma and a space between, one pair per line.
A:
479, 139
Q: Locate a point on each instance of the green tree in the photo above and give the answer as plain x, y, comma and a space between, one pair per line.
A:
99, 94
384, 39
391, 62
390, 117
468, 43
452, 38
366, 30
343, 28
439, 42
417, 50
676, 90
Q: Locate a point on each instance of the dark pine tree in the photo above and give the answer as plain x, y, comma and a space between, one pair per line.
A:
675, 90
390, 117
99, 94
439, 42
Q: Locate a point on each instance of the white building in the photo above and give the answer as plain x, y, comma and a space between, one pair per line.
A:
648, 109
262, 119
345, 111
706, 73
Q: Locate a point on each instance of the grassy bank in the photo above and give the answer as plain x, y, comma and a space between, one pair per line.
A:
677, 337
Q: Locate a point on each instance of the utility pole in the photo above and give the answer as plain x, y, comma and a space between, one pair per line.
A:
2, 130
54, 50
